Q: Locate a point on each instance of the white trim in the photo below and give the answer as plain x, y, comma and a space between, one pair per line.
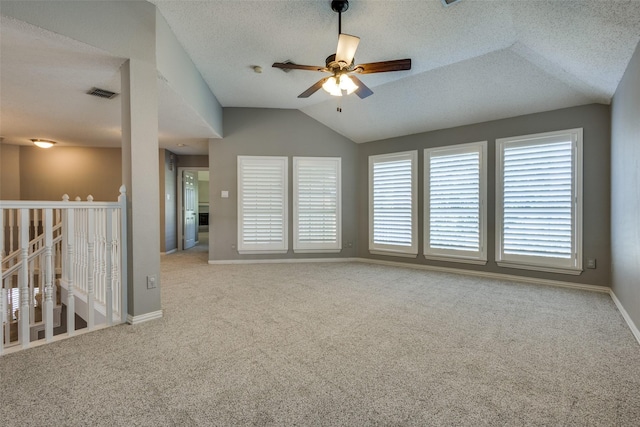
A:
169, 252
489, 275
280, 261
634, 329
134, 320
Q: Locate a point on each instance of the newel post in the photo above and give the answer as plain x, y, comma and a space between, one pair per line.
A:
124, 272
68, 266
91, 239
3, 298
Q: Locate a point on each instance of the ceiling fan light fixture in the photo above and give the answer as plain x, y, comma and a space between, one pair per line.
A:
43, 143
331, 86
347, 84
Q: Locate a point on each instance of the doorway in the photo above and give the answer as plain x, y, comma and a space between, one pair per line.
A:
193, 208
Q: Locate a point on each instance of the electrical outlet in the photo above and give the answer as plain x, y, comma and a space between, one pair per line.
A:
233, 246
591, 263
349, 244
151, 282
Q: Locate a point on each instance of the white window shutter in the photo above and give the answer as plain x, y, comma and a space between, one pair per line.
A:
393, 202
317, 204
262, 204
455, 187
540, 201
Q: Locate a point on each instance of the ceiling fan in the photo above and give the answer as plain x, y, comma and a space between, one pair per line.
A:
341, 64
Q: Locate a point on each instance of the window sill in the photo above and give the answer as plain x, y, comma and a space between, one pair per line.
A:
560, 270
456, 259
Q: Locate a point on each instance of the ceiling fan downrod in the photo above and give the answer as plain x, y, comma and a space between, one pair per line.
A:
339, 6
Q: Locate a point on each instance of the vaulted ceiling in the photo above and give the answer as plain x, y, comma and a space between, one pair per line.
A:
473, 61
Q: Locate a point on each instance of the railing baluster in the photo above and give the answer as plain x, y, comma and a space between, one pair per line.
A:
71, 311
48, 288
23, 320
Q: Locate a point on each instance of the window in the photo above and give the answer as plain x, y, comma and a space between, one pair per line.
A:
262, 205
455, 209
317, 204
393, 204
539, 202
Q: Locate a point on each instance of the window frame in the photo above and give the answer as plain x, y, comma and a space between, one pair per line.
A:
471, 257
264, 248
395, 250
317, 247
571, 265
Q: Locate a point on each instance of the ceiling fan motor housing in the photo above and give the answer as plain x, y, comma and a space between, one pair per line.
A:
339, 6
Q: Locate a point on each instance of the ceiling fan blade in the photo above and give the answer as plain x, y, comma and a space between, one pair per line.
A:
363, 91
384, 66
313, 89
346, 50
292, 66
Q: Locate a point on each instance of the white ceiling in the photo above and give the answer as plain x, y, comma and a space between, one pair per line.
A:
474, 61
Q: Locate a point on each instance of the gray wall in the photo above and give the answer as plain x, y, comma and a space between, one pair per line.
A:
262, 132
47, 174
9, 172
595, 121
168, 203
625, 190
189, 161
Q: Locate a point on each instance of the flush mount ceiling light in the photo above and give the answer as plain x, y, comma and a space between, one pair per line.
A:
43, 143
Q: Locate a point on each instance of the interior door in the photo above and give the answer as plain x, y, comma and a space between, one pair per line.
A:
190, 208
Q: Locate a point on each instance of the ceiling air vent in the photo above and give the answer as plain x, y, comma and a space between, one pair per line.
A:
102, 93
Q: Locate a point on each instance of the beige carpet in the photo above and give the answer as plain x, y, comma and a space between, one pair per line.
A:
337, 344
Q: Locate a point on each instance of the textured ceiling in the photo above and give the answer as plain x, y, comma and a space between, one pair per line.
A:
44, 78
473, 61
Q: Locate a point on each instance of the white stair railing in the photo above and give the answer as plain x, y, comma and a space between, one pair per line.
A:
56, 254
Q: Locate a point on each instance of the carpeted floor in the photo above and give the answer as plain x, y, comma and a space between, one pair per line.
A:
344, 344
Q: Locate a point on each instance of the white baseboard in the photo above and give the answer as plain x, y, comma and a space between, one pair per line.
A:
169, 252
490, 275
625, 315
280, 261
134, 320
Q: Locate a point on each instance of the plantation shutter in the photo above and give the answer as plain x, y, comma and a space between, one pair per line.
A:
454, 201
538, 200
262, 204
393, 203
317, 213
541, 217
